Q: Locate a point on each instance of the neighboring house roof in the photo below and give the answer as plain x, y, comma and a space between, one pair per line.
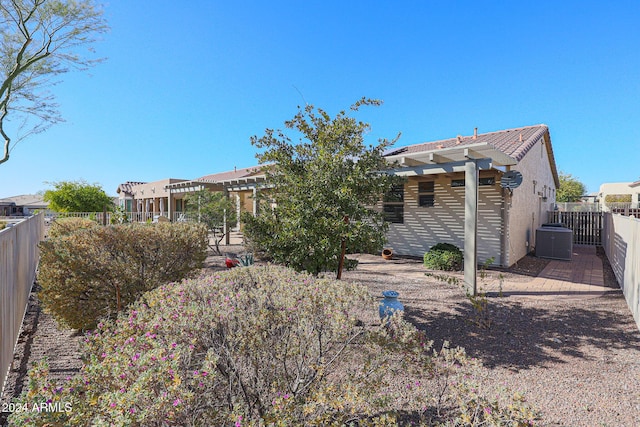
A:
514, 143
230, 175
126, 187
635, 184
221, 181
26, 200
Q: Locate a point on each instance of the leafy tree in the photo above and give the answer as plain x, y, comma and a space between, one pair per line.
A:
213, 209
571, 189
324, 189
39, 40
77, 196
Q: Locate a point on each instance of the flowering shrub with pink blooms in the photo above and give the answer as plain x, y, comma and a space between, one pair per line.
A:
264, 346
97, 271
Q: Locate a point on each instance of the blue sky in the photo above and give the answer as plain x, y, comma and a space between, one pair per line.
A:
186, 84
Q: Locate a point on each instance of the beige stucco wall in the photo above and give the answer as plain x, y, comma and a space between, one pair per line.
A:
244, 201
153, 192
424, 227
153, 189
618, 188
527, 207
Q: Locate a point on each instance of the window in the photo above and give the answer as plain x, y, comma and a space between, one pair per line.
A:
178, 205
426, 194
482, 181
393, 206
487, 181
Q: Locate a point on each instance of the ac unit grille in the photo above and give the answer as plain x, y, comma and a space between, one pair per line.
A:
554, 243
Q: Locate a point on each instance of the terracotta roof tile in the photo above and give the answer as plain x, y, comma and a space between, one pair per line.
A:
126, 187
512, 142
234, 174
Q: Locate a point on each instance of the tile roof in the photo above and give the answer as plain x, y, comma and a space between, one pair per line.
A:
512, 142
25, 200
127, 187
234, 174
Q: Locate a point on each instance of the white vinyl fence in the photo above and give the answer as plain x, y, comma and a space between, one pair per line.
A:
18, 261
621, 242
101, 218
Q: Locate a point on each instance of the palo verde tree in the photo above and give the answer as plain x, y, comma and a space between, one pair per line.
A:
40, 40
571, 189
77, 196
324, 188
213, 209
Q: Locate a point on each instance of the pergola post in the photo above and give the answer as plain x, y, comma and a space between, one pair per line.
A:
255, 200
226, 227
470, 226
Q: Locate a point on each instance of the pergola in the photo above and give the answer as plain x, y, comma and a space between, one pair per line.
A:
250, 183
471, 159
189, 187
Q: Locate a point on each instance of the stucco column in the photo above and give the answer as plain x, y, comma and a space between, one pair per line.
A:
470, 225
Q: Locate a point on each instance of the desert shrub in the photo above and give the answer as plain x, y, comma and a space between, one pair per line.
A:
444, 256
617, 198
3, 225
66, 226
98, 271
260, 346
119, 215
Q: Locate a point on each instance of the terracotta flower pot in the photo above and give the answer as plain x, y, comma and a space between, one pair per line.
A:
387, 253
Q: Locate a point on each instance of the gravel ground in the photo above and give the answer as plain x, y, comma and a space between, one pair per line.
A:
577, 361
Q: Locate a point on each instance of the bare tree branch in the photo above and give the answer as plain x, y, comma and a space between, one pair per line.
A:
38, 42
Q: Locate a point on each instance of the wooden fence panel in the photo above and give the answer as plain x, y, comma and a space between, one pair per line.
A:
586, 226
18, 262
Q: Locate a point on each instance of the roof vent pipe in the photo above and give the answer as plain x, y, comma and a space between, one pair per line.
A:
475, 133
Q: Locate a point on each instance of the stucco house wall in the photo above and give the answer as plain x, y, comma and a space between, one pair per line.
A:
527, 207
611, 188
507, 219
424, 227
152, 193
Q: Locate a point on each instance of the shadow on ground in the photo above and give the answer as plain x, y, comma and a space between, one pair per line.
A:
520, 337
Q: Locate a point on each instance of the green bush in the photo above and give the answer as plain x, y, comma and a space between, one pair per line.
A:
3, 225
617, 198
66, 226
98, 271
444, 256
262, 346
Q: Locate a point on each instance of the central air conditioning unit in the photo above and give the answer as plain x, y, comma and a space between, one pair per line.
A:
555, 242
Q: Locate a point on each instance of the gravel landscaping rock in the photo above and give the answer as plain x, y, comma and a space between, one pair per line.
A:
577, 360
